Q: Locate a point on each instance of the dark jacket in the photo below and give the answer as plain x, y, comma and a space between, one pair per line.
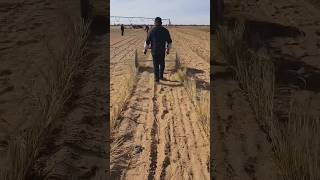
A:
158, 37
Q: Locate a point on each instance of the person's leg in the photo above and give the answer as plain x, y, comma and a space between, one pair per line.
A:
156, 67
162, 66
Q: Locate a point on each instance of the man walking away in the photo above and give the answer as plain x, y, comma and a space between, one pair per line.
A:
147, 28
160, 41
122, 29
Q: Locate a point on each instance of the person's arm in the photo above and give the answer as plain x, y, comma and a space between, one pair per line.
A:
147, 43
169, 43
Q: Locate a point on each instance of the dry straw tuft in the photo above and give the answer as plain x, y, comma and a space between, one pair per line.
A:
25, 145
295, 143
200, 100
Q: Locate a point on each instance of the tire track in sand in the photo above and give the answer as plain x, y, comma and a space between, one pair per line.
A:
154, 133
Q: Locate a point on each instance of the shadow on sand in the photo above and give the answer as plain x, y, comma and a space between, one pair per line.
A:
99, 25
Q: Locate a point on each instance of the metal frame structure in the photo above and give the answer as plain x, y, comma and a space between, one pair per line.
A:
130, 18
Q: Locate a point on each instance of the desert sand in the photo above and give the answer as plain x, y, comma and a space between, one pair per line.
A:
33, 36
158, 124
289, 35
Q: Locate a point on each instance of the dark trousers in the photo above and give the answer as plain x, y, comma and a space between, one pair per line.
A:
158, 65
122, 33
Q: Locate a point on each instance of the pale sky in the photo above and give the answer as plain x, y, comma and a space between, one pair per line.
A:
179, 11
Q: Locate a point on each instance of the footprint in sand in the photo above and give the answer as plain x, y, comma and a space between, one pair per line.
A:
6, 90
138, 149
5, 72
249, 166
6, 87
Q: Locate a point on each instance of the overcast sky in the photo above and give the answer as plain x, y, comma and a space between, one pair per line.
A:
179, 11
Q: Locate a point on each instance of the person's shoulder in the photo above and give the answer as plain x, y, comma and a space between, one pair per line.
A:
155, 28
164, 29
151, 29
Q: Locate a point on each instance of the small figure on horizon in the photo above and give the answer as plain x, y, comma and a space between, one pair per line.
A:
160, 41
122, 29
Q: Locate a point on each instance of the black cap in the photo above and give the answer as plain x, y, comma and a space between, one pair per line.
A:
158, 20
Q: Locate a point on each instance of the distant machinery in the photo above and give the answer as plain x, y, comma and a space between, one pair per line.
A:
136, 22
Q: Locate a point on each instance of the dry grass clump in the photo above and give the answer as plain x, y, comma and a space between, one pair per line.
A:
255, 73
230, 44
200, 100
49, 105
256, 76
204, 111
121, 156
120, 152
125, 92
295, 143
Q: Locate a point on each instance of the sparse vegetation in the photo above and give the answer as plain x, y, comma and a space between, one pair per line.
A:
200, 99
118, 149
295, 147
125, 92
49, 106
156, 114
296, 143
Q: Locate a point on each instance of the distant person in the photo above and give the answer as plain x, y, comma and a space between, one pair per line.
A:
122, 29
160, 41
147, 28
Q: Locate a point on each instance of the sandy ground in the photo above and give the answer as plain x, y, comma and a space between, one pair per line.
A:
22, 52
159, 121
77, 147
240, 147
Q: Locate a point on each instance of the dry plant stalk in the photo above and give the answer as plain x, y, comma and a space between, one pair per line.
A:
256, 76
128, 86
296, 143
118, 149
255, 73
200, 100
24, 146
